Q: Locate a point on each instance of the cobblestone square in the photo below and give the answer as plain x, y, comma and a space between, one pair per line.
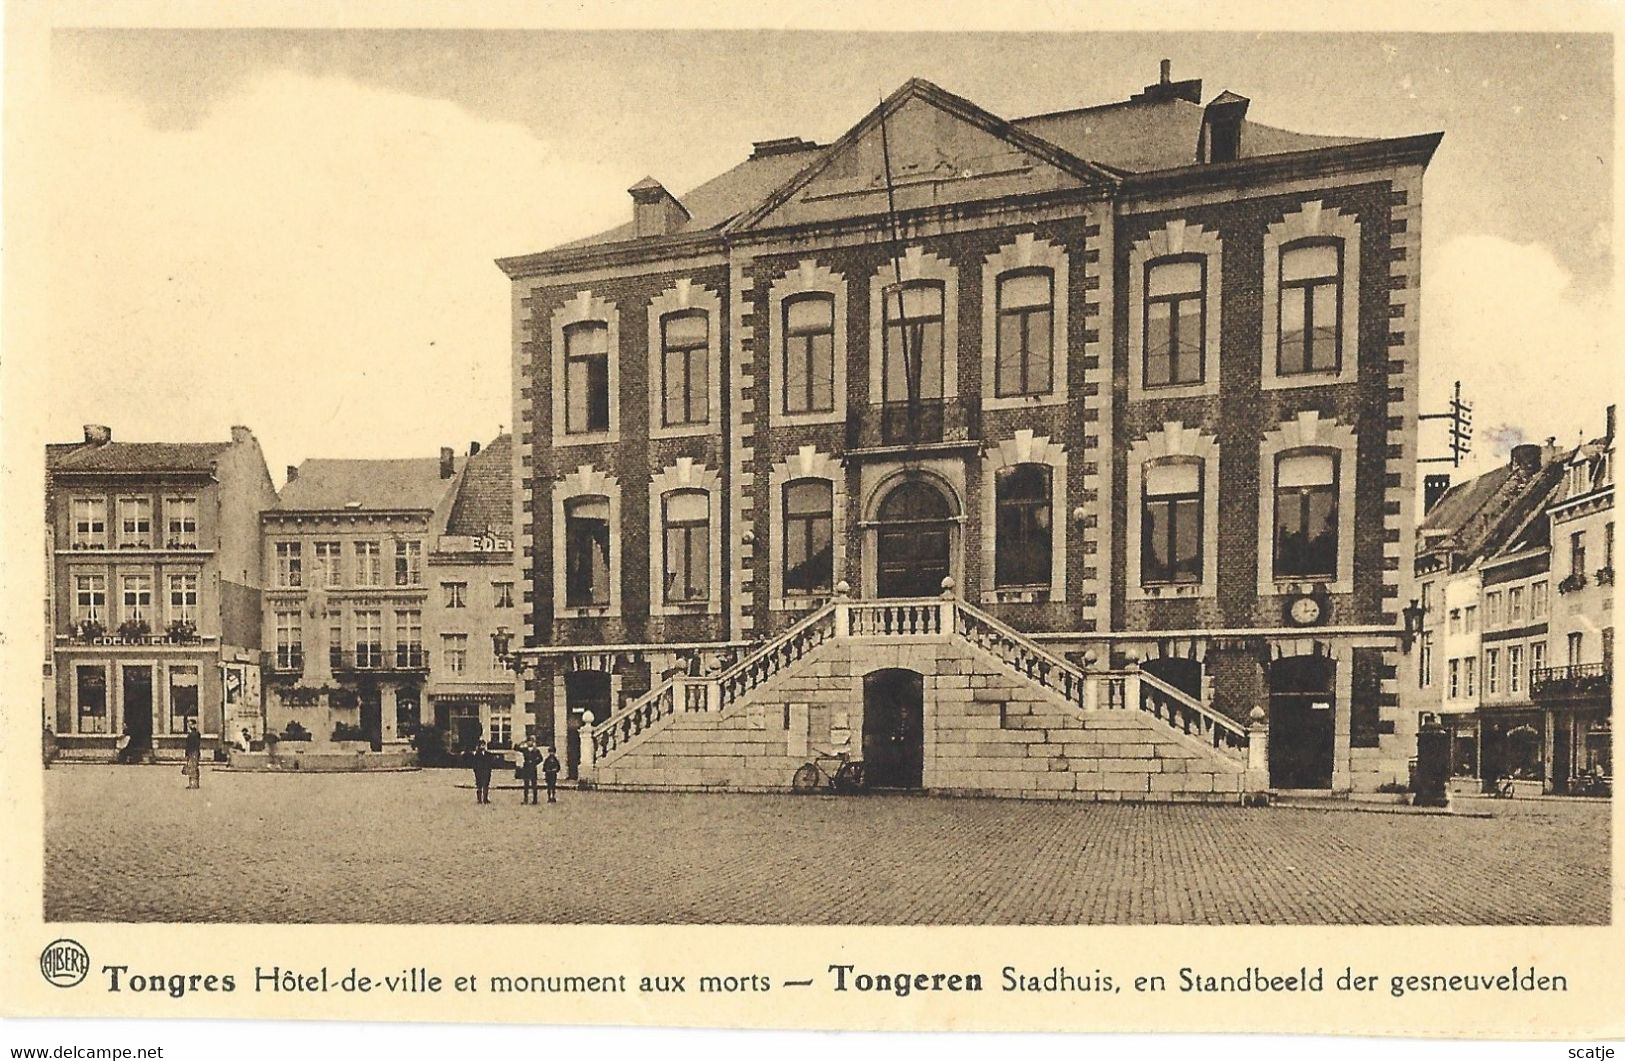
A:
131, 844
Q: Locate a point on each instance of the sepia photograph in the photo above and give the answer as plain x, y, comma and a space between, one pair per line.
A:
826, 478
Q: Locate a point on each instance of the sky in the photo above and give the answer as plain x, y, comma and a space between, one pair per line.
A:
295, 230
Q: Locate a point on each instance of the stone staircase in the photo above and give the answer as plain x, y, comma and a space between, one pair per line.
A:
1003, 715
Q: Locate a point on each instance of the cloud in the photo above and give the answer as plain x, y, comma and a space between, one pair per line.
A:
327, 280
1534, 353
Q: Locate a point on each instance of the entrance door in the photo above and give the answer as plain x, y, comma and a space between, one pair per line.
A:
138, 704
372, 716
1301, 722
583, 689
1562, 767
913, 541
893, 729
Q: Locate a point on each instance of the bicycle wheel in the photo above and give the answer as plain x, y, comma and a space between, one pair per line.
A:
805, 779
849, 778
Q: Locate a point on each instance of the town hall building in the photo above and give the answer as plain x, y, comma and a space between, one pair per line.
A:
1067, 456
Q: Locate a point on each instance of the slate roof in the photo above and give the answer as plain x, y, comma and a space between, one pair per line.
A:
127, 457
326, 485
1499, 512
1136, 136
485, 493
1462, 501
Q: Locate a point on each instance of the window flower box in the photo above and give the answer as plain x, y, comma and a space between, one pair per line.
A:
1571, 584
182, 630
134, 628
1605, 576
88, 630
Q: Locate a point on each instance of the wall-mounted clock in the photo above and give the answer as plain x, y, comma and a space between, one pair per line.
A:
1305, 609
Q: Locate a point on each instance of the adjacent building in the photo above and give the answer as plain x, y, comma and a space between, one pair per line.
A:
154, 590
1131, 387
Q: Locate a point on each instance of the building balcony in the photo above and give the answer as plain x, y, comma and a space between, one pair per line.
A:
370, 659
908, 425
1581, 681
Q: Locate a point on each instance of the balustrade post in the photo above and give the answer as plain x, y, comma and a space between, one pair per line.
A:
1131, 688
713, 697
589, 759
1091, 692
1257, 777
843, 609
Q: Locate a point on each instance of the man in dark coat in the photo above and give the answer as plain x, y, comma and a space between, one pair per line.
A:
481, 761
550, 767
194, 756
530, 759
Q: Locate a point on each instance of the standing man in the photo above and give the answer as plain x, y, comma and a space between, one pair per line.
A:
482, 773
530, 758
194, 755
550, 767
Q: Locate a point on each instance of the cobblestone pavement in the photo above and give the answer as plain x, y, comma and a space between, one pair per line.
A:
131, 844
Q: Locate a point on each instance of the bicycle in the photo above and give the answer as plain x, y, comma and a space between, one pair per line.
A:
812, 775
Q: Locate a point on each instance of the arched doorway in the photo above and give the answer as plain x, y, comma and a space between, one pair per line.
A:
893, 728
587, 690
914, 541
1302, 722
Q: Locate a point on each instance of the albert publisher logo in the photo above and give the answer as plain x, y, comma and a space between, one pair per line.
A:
64, 963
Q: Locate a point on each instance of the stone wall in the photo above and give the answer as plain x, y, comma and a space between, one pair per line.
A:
988, 731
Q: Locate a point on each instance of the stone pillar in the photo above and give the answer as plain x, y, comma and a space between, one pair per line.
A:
387, 701
585, 771
1257, 777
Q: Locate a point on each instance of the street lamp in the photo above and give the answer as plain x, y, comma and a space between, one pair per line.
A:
1412, 614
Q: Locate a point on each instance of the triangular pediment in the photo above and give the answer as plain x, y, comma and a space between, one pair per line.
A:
942, 150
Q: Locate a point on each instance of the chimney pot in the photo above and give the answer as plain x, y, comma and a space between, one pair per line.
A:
447, 462
98, 435
1167, 71
1527, 458
293, 472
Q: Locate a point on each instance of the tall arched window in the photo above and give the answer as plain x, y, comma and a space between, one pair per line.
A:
1026, 318
1024, 516
1175, 320
687, 520
684, 356
586, 377
1306, 515
1171, 523
586, 552
913, 342
809, 353
809, 555
1311, 307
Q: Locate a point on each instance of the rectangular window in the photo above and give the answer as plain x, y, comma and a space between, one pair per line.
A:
501, 726
1515, 669
183, 599
1537, 599
1424, 668
335, 641
1537, 655
1576, 648
1026, 316
290, 650
913, 354
328, 557
586, 378
409, 639
809, 548
1175, 320
1427, 597
1608, 545
289, 565
687, 515
586, 552
1022, 544
454, 647
685, 362
90, 598
369, 564
369, 638
408, 563
1492, 671
90, 687
135, 522
89, 523
1455, 679
1492, 608
1455, 620
1469, 617
1515, 605
1311, 308
502, 594
137, 599
183, 697
180, 523
454, 594
1306, 516
1469, 671
809, 354
1577, 554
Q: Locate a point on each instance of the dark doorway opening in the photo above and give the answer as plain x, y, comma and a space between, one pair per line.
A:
1302, 722
893, 729
372, 716
913, 541
1182, 673
138, 703
584, 690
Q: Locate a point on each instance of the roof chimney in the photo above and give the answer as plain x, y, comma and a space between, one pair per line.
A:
97, 435
1434, 487
1609, 433
655, 211
1527, 458
1168, 89
241, 434
784, 145
293, 472
448, 462
473, 448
